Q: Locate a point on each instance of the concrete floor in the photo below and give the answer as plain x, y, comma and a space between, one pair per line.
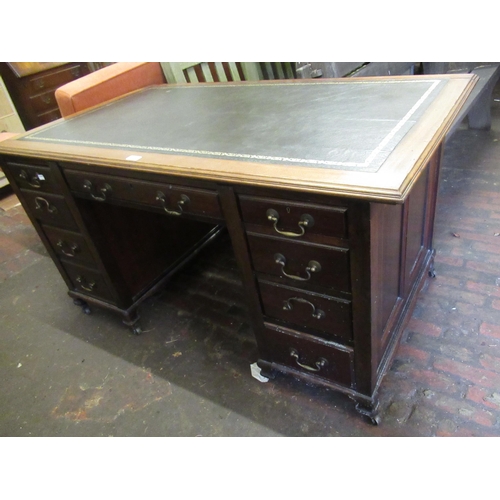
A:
65, 373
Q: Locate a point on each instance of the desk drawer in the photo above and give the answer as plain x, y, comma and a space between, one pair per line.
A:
293, 219
172, 199
330, 317
50, 209
299, 263
68, 245
307, 355
36, 177
88, 281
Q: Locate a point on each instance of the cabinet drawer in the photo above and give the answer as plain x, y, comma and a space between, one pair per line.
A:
293, 219
43, 102
36, 177
300, 263
48, 116
56, 78
88, 281
172, 199
329, 316
307, 355
50, 209
68, 245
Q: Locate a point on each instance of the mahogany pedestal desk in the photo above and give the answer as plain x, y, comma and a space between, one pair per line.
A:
327, 189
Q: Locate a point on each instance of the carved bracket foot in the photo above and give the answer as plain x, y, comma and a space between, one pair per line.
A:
370, 411
131, 319
432, 270
266, 370
81, 303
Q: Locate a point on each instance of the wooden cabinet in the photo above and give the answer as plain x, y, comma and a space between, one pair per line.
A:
9, 121
32, 85
9, 118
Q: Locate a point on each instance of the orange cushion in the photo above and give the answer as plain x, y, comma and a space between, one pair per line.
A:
107, 83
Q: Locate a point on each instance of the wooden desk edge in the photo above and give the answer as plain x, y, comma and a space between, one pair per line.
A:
389, 184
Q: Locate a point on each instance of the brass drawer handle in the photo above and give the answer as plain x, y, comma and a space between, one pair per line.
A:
85, 284
312, 267
105, 190
41, 203
322, 362
68, 249
181, 203
306, 220
317, 313
35, 181
47, 99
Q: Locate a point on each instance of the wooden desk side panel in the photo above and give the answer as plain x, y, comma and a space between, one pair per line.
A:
401, 257
386, 267
359, 229
376, 235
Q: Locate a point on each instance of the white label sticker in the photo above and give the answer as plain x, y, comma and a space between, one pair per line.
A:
255, 371
40, 177
133, 158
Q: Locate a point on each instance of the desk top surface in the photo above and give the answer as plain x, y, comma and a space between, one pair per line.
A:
340, 136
